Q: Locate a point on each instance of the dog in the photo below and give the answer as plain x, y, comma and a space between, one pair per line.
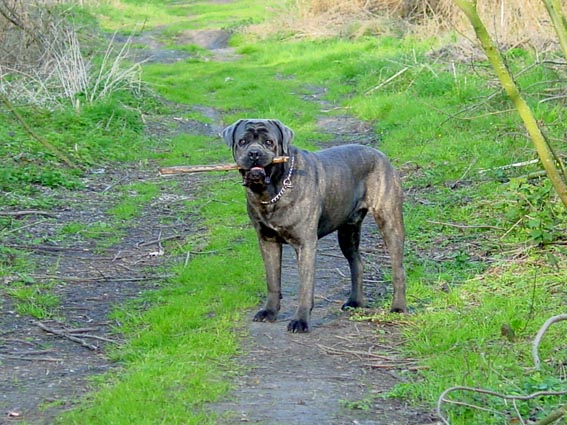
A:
310, 196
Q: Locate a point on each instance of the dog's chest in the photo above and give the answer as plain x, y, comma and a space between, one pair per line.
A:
274, 222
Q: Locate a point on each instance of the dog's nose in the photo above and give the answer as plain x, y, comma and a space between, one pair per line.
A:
254, 155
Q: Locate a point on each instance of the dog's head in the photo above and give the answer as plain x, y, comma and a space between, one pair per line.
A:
255, 143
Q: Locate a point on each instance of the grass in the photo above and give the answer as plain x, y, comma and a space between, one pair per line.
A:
130, 16
34, 300
485, 250
134, 196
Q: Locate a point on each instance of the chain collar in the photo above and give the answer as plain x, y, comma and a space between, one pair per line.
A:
286, 185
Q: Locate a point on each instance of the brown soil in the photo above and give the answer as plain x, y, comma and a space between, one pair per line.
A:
337, 374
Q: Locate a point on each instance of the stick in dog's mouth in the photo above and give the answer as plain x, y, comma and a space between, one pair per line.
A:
182, 169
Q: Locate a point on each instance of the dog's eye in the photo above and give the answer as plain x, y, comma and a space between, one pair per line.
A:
269, 142
241, 142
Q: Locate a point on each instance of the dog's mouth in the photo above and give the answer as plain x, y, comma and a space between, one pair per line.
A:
255, 176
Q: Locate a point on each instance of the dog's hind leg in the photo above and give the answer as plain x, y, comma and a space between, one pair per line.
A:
391, 224
349, 241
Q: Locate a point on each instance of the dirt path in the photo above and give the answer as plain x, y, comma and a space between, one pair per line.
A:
337, 374
334, 375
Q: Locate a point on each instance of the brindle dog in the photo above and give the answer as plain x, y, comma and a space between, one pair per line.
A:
310, 196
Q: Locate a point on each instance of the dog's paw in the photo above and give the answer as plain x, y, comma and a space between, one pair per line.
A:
349, 305
398, 309
265, 316
298, 326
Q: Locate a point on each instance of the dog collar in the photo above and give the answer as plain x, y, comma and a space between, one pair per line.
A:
286, 185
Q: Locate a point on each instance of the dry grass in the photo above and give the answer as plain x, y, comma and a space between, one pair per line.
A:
512, 22
42, 61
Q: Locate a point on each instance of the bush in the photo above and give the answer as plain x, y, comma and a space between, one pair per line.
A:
44, 62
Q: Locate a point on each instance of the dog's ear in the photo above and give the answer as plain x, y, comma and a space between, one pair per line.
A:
286, 133
228, 133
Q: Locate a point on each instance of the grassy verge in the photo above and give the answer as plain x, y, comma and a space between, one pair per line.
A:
180, 350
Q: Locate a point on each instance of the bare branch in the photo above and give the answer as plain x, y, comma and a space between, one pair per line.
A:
540, 334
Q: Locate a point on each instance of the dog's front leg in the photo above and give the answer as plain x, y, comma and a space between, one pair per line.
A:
272, 256
306, 254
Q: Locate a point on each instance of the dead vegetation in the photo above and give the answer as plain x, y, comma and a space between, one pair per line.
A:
46, 60
513, 23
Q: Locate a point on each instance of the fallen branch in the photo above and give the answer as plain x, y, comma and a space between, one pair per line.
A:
98, 279
158, 241
31, 359
99, 338
492, 393
508, 166
540, 334
65, 335
388, 80
552, 417
464, 226
26, 212
183, 169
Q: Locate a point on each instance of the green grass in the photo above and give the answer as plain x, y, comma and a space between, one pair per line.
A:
131, 16
34, 300
181, 350
463, 283
134, 196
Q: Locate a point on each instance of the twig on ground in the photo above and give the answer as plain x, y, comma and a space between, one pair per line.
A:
552, 417
443, 398
99, 338
540, 335
386, 81
65, 335
506, 167
158, 241
464, 226
27, 212
30, 359
98, 279
456, 183
17, 229
386, 362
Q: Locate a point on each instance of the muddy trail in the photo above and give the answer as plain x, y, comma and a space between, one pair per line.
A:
337, 374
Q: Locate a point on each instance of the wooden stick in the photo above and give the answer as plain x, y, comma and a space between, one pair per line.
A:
181, 169
64, 334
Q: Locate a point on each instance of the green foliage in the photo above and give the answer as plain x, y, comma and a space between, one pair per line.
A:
107, 131
13, 260
534, 209
364, 404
